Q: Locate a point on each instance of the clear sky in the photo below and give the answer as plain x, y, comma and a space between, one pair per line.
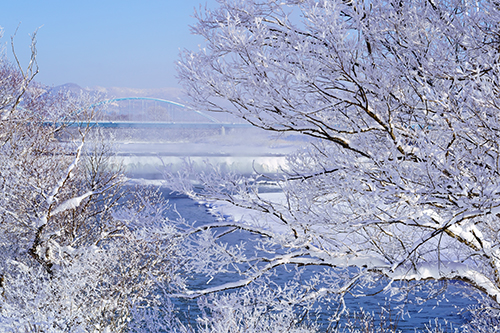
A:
109, 43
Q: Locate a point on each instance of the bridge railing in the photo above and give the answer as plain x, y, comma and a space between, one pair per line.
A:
151, 109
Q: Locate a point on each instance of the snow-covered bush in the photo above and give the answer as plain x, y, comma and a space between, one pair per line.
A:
78, 253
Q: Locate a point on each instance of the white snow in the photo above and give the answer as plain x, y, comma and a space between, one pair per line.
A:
226, 210
423, 271
71, 203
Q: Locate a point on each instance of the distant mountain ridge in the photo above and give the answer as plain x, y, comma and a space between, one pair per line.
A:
168, 93
68, 87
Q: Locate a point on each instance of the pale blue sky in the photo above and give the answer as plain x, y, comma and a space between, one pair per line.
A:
121, 43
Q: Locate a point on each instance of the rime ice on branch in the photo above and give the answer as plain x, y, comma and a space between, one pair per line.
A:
403, 181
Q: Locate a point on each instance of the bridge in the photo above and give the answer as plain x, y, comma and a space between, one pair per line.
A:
154, 111
148, 133
151, 112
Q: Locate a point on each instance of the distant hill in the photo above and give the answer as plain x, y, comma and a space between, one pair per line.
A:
169, 93
68, 87
173, 94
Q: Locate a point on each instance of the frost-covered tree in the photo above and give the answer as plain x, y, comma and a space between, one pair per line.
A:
401, 178
78, 253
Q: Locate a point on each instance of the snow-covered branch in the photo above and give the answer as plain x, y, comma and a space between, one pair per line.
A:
401, 177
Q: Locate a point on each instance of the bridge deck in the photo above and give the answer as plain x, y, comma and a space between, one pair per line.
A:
148, 124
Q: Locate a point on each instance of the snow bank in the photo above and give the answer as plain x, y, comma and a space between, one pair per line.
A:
229, 212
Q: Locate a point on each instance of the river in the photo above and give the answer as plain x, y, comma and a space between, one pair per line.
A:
449, 308
242, 153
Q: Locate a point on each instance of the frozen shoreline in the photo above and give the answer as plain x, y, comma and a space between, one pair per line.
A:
245, 151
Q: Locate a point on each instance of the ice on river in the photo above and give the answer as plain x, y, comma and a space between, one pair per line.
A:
243, 151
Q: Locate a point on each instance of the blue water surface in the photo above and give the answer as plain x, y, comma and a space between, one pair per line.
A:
449, 308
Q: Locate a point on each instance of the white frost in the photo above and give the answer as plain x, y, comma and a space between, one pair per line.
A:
72, 203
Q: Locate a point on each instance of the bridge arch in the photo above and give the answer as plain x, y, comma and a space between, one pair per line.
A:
154, 99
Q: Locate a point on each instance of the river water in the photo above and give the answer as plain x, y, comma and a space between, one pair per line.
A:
244, 153
449, 308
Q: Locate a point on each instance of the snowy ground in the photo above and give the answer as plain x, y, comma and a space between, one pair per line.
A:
221, 209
